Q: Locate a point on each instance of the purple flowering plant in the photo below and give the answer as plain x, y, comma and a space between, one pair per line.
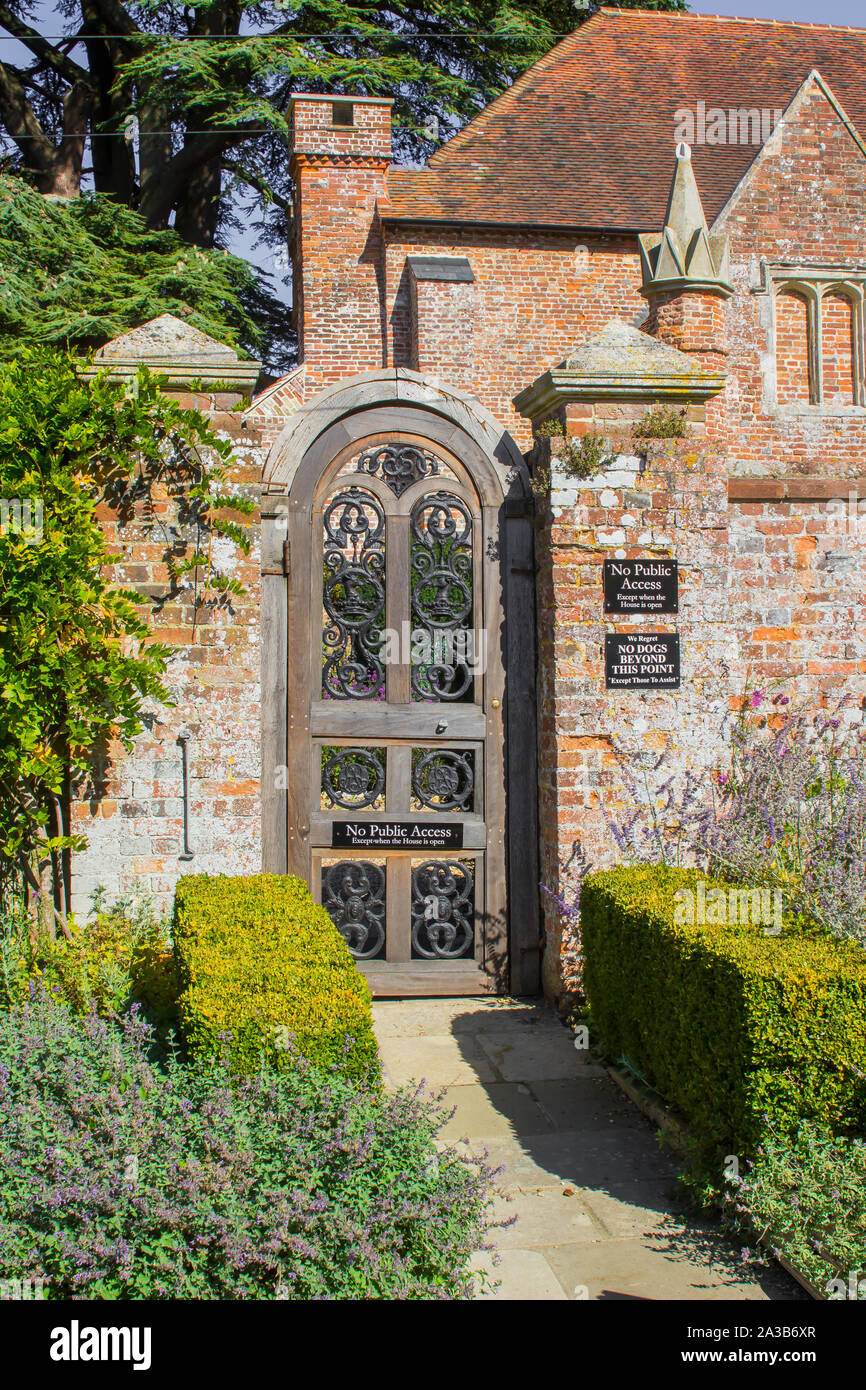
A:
804, 1197
786, 810
131, 1178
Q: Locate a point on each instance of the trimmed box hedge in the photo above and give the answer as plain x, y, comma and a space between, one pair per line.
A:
741, 1031
260, 961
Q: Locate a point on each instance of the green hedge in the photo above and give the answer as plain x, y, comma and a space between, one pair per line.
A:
259, 960
729, 1024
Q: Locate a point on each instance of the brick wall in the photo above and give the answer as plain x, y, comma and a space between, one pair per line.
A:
132, 813
673, 501
536, 294
444, 318
792, 349
803, 203
798, 592
836, 349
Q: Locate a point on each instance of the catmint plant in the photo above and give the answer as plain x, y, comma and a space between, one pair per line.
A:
128, 1179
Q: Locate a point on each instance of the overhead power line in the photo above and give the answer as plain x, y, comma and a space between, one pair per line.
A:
281, 38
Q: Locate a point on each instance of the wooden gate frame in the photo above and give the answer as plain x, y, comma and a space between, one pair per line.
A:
373, 403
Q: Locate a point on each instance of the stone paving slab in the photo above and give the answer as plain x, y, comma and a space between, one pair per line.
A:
648, 1269
621, 1219
536, 1054
440, 1060
552, 1218
521, 1274
582, 1170
501, 1109
582, 1158
417, 1017
582, 1102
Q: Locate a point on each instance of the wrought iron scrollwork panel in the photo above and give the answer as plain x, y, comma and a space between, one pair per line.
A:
353, 778
353, 894
443, 779
400, 465
442, 598
443, 909
353, 596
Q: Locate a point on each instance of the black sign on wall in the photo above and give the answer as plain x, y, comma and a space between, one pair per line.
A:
641, 586
395, 834
642, 660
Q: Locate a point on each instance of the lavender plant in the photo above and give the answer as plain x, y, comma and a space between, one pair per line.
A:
791, 813
787, 811
128, 1180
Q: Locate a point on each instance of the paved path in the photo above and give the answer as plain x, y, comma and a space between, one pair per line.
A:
583, 1171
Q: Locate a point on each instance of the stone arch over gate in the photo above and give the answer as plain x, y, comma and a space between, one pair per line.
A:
390, 502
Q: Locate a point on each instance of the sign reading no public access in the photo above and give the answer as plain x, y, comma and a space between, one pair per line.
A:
641, 586
642, 661
374, 834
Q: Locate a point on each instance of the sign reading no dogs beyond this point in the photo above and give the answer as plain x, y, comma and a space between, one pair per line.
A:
642, 660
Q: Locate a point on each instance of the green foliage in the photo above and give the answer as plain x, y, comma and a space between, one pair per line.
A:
259, 960
15, 958
121, 956
736, 1028
664, 422
129, 1178
581, 457
805, 1198
76, 667
78, 273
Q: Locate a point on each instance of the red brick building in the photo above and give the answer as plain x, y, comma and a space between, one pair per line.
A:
563, 259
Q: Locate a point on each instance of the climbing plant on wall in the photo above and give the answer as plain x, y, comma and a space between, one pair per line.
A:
76, 664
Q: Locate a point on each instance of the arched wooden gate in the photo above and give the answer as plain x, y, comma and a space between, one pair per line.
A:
397, 680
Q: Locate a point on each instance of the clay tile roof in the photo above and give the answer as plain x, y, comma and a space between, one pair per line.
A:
585, 138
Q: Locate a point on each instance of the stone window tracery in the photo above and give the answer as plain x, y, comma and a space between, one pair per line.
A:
818, 335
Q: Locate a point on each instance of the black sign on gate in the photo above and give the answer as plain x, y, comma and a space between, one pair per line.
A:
393, 834
642, 660
641, 586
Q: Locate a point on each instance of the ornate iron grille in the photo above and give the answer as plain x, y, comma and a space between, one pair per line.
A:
400, 465
441, 584
353, 778
353, 596
353, 894
443, 909
443, 779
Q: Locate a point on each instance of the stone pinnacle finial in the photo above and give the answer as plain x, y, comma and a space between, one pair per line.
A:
684, 256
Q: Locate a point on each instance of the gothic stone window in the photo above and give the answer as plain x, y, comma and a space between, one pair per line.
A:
818, 326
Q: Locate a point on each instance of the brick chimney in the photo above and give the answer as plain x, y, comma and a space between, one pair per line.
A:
340, 150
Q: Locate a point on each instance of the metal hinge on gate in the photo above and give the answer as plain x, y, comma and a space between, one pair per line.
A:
282, 566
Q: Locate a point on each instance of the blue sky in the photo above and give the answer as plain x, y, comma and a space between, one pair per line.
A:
852, 12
